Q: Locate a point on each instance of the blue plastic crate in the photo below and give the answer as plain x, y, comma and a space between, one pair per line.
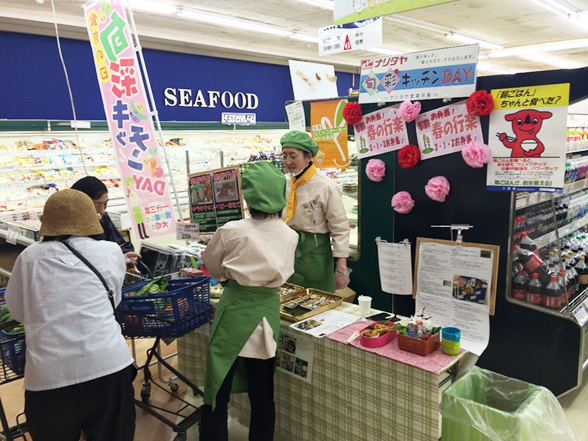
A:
12, 352
172, 314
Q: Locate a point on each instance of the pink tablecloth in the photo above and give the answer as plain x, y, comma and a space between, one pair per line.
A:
435, 362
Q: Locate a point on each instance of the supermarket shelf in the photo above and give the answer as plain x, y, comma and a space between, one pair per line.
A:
531, 199
548, 238
20, 240
35, 167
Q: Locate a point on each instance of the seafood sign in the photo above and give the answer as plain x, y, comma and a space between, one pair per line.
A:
129, 120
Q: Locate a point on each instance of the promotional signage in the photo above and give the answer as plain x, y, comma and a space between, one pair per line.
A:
329, 131
380, 132
433, 74
209, 98
527, 139
239, 119
129, 120
349, 37
347, 11
215, 198
446, 130
296, 119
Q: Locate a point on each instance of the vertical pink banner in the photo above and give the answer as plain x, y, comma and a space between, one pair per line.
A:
129, 120
446, 130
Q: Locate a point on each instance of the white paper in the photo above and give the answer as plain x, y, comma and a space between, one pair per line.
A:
451, 271
316, 85
581, 312
473, 320
186, 231
395, 268
295, 354
345, 38
326, 323
454, 286
296, 118
11, 234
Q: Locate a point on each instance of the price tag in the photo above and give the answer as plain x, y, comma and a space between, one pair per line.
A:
581, 312
532, 198
12, 234
187, 231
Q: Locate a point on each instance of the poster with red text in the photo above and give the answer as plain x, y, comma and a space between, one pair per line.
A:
527, 139
380, 132
446, 130
129, 120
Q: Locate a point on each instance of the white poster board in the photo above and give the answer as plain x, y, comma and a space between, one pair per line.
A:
312, 81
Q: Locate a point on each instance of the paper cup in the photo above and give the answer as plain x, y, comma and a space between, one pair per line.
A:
365, 305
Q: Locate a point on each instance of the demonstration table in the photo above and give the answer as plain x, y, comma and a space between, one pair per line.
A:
354, 394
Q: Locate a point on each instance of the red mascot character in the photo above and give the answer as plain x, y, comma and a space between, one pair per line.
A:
525, 125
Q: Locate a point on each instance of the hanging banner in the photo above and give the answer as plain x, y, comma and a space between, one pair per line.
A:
380, 132
347, 11
313, 81
446, 130
329, 131
215, 198
128, 115
349, 37
438, 73
527, 139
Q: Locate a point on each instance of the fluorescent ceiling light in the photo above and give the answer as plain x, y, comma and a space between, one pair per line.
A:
326, 4
467, 39
543, 47
305, 37
482, 56
151, 6
232, 22
561, 7
383, 50
486, 68
553, 61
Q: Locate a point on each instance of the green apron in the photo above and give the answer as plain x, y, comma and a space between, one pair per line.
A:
239, 311
314, 265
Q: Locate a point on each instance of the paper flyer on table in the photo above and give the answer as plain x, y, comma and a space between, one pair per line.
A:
395, 267
473, 320
295, 354
326, 323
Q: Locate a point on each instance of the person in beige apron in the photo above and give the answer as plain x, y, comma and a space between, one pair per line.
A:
315, 211
256, 255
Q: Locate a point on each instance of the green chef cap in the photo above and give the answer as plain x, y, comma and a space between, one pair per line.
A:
264, 187
301, 141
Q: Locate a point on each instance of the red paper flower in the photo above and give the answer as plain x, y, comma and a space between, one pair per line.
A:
480, 103
409, 156
352, 113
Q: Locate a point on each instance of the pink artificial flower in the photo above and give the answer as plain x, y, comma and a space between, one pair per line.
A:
437, 188
402, 202
409, 111
476, 154
375, 170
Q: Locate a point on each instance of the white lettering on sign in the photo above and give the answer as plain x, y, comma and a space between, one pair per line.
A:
187, 98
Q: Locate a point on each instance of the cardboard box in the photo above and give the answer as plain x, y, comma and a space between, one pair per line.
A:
347, 293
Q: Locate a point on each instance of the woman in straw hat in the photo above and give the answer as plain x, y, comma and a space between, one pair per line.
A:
315, 210
78, 372
257, 256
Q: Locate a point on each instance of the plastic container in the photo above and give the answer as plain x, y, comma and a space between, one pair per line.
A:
417, 346
377, 342
485, 406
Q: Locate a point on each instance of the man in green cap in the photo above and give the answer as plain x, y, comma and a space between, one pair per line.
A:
315, 210
257, 256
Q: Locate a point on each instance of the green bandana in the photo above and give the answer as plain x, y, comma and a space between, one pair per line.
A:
301, 141
264, 187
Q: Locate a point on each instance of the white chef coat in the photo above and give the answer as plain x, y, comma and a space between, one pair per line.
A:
254, 253
70, 329
319, 209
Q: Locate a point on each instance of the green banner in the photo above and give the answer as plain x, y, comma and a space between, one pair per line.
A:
349, 11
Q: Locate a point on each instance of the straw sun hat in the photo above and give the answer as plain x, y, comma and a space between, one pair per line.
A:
70, 213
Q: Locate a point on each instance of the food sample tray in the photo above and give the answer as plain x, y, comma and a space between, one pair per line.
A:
310, 302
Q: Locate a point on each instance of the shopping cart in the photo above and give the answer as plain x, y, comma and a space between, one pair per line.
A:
185, 307
12, 363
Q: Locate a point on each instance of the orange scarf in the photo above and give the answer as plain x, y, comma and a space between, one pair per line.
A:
306, 176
